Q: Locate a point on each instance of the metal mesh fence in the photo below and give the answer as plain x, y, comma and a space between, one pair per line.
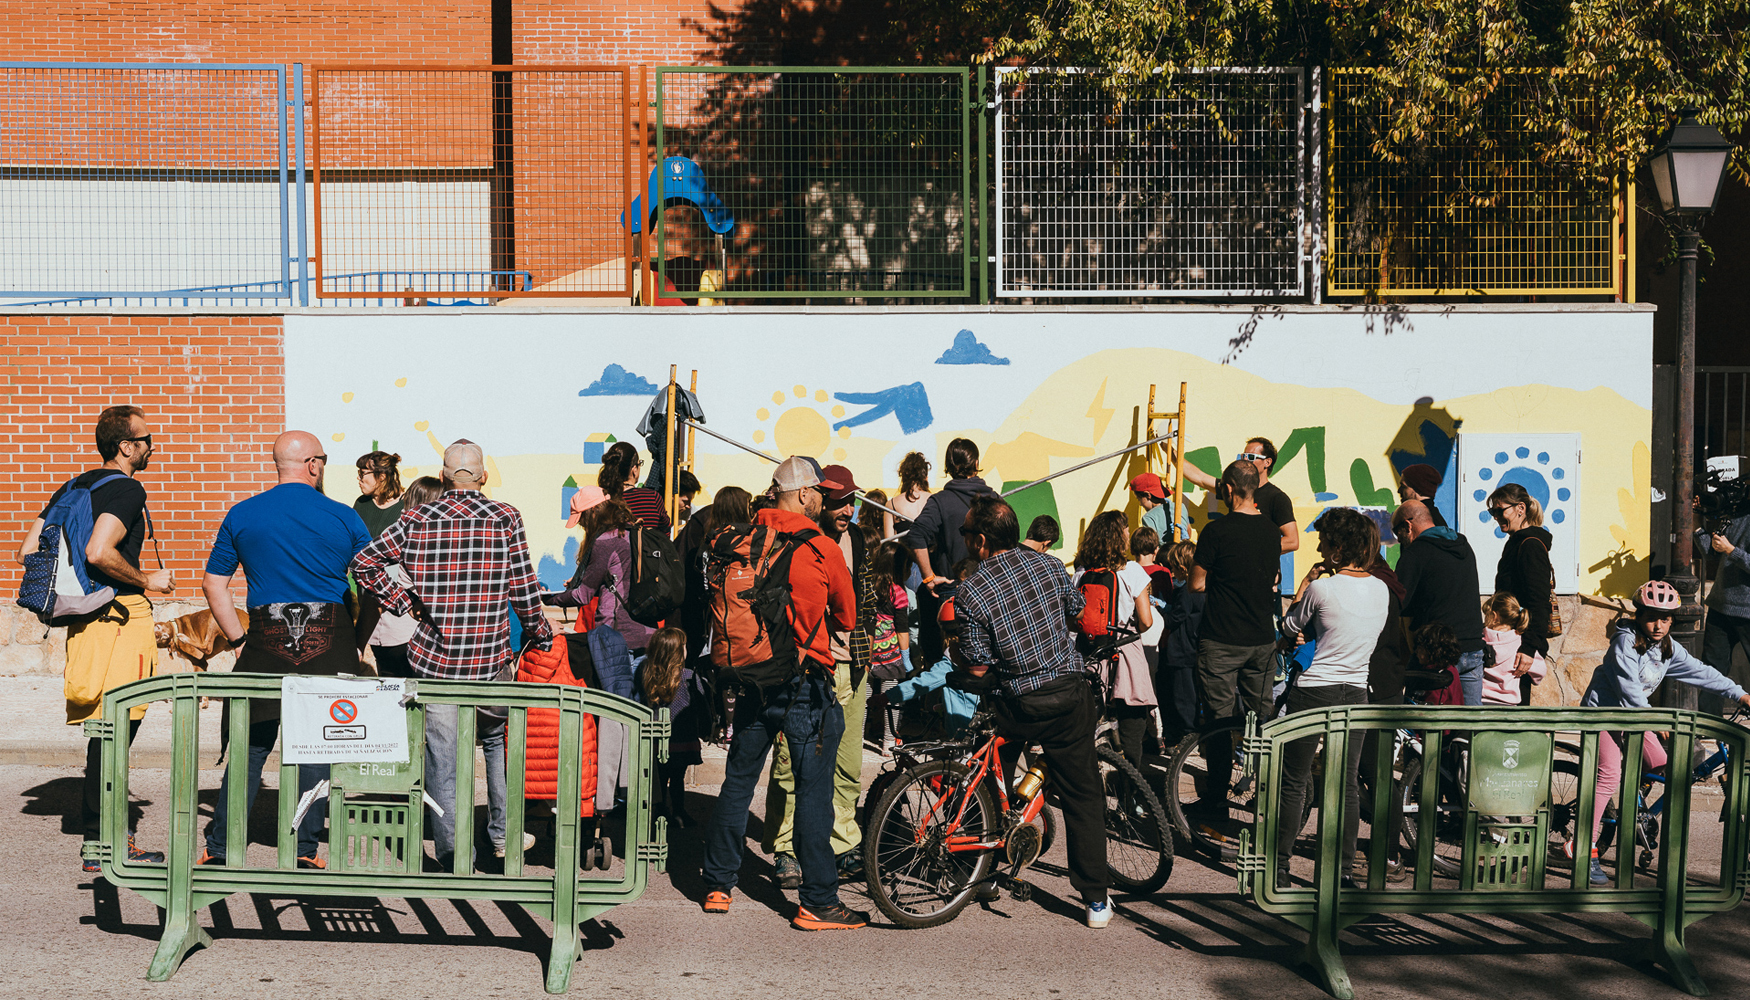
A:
1456, 221
841, 183
472, 183
129, 179
1188, 187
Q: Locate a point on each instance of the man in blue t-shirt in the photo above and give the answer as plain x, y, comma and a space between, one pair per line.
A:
294, 545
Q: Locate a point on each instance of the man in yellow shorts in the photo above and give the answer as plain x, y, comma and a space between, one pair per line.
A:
116, 646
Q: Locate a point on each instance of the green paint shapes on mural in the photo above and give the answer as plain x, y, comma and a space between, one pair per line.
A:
1030, 503
1207, 460
1361, 481
1313, 440
570, 481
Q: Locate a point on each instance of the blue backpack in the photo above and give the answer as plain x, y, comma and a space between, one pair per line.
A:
57, 584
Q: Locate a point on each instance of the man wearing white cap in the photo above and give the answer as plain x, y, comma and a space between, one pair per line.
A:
803, 710
466, 557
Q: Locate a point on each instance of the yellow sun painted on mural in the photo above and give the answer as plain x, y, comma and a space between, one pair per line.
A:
799, 426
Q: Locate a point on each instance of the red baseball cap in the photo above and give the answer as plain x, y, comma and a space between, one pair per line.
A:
1149, 483
837, 482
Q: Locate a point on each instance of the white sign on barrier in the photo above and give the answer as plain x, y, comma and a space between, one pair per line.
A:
327, 720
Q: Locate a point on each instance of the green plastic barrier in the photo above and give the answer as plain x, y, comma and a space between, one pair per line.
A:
1507, 840
375, 843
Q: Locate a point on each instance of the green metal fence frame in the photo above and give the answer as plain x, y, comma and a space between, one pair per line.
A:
970, 249
1325, 909
182, 889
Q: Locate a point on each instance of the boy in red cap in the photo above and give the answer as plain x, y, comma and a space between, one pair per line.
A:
1152, 495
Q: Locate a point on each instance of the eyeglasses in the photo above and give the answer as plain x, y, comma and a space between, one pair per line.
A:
318, 458
1500, 513
1246, 456
145, 438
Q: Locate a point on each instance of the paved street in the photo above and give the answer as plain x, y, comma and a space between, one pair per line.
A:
72, 935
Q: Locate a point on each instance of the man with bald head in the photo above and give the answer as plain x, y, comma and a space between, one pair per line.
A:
294, 545
465, 557
1438, 571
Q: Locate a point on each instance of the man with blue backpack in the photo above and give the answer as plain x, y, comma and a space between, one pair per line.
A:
82, 570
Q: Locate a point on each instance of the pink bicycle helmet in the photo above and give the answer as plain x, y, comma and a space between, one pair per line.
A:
1657, 595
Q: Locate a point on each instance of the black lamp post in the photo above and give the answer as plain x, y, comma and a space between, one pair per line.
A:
1687, 168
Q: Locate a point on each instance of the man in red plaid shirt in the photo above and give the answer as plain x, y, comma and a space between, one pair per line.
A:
467, 559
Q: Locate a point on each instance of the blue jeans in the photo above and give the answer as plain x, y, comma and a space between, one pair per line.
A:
440, 778
1470, 675
262, 736
808, 716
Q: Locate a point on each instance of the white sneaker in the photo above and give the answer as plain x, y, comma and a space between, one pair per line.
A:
1100, 914
528, 844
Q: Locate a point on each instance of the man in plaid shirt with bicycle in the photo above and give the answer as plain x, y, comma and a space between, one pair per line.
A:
1014, 615
467, 558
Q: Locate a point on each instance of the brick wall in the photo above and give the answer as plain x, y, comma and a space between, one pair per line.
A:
448, 32
213, 388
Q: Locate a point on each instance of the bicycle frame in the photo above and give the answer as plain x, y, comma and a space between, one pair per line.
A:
986, 765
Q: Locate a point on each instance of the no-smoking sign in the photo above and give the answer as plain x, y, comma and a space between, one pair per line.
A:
335, 719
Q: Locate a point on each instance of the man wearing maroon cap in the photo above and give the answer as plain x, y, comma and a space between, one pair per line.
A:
1153, 498
1421, 482
850, 653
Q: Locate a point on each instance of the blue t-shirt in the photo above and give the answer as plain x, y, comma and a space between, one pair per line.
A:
295, 545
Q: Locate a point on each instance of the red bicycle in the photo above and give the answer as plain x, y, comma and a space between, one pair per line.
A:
944, 819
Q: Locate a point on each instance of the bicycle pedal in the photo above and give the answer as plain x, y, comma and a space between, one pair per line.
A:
1018, 890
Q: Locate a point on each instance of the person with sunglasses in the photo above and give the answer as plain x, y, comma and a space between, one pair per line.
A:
1271, 501
116, 646
1525, 572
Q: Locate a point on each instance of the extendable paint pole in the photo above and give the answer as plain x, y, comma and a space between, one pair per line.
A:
1092, 461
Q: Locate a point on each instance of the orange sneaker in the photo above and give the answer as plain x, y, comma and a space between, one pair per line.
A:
837, 917
717, 901
312, 863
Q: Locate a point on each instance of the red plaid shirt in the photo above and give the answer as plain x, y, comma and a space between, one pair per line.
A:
466, 557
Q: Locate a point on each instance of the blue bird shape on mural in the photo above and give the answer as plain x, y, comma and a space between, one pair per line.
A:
909, 403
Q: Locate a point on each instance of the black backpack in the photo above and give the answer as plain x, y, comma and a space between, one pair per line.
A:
659, 581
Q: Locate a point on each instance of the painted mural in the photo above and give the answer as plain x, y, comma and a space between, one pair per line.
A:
1348, 401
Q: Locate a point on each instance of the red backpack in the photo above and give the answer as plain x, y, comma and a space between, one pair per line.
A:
1098, 626
748, 571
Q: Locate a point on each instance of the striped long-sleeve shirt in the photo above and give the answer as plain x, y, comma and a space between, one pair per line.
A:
466, 557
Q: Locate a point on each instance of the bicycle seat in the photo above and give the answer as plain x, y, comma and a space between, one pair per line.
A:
964, 682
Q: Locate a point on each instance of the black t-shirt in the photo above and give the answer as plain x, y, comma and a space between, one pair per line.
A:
378, 518
1240, 554
124, 497
1274, 504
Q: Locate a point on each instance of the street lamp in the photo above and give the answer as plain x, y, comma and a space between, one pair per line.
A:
1687, 169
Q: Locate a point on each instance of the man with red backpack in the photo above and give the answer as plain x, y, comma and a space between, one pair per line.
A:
785, 686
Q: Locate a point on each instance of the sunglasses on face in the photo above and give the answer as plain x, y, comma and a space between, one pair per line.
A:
145, 439
1246, 456
1500, 513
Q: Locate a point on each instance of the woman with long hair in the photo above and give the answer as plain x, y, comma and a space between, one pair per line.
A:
618, 479
379, 502
1105, 548
914, 491
1525, 571
1346, 607
605, 564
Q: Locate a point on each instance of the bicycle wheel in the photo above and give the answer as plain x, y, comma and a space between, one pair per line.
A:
1201, 817
913, 876
1564, 808
1139, 837
1448, 821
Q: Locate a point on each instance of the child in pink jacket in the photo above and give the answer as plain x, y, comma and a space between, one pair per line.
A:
1503, 621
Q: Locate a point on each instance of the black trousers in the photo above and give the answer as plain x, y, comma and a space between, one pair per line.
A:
91, 809
1297, 765
1061, 718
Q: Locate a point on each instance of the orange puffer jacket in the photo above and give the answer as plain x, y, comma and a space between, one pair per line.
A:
541, 771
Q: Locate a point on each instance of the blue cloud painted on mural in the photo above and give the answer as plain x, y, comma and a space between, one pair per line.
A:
907, 402
968, 351
617, 381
